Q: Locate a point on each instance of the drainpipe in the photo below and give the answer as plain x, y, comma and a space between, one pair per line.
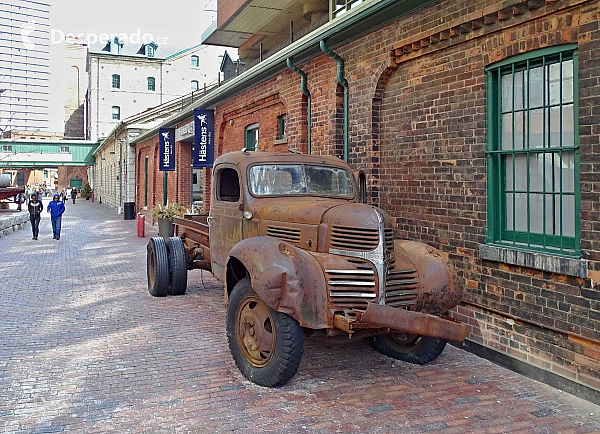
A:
344, 83
305, 92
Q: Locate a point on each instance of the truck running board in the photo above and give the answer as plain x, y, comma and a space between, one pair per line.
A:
414, 323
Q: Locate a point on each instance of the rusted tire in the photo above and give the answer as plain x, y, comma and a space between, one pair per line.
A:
409, 348
157, 267
266, 345
177, 265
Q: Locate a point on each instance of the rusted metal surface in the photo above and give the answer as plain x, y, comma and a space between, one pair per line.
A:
415, 323
325, 261
287, 278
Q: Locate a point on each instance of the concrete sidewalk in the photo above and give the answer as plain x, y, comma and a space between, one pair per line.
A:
84, 348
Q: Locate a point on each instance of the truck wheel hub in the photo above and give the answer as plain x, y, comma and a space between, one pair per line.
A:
254, 331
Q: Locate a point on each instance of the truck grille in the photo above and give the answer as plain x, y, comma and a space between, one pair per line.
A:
356, 239
401, 288
287, 234
351, 289
388, 241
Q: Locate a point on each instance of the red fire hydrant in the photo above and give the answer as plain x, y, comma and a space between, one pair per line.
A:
141, 225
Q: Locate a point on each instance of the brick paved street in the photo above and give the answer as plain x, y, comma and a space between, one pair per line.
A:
84, 348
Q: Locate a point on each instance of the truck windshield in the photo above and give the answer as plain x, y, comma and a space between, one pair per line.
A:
300, 180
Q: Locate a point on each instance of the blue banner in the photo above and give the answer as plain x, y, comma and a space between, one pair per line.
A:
204, 140
166, 149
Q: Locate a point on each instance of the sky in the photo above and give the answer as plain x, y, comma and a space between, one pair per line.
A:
180, 21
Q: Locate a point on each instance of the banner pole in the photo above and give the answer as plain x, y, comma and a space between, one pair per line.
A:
165, 189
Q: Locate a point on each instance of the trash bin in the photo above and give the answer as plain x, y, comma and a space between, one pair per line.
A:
129, 210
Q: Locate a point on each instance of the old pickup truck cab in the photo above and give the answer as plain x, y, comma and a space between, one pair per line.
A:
298, 253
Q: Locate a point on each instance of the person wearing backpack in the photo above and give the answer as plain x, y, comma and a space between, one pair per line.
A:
35, 208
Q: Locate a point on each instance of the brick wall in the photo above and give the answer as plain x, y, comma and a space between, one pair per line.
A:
417, 127
66, 173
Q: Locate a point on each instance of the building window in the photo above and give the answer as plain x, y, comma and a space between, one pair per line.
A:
115, 46
151, 84
281, 124
251, 137
116, 81
195, 86
7, 148
340, 7
149, 50
533, 156
195, 61
64, 149
116, 113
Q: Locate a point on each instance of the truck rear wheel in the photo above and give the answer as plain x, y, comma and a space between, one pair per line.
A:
178, 265
157, 265
409, 348
266, 345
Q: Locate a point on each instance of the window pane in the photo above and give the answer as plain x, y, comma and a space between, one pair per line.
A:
536, 172
536, 128
554, 83
568, 212
509, 211
549, 215
519, 125
568, 128
567, 81
508, 167
521, 212
519, 90
554, 130
507, 131
536, 218
535, 87
568, 172
520, 172
507, 86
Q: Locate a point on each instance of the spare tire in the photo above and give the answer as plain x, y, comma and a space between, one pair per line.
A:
178, 265
157, 265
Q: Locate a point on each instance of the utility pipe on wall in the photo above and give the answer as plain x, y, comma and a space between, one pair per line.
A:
305, 92
344, 83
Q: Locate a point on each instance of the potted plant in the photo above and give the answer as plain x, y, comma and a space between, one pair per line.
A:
86, 192
164, 215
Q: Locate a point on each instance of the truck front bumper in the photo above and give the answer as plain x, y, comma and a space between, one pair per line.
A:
414, 323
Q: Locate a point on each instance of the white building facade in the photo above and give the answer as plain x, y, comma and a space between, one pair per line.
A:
126, 79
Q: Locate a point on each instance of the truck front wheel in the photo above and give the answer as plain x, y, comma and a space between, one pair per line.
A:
266, 345
409, 348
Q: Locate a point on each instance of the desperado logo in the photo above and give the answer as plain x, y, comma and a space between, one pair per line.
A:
203, 138
167, 152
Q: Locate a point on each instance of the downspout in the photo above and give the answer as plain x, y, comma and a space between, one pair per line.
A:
344, 83
305, 92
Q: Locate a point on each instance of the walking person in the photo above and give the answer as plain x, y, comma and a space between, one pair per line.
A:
74, 195
56, 208
35, 208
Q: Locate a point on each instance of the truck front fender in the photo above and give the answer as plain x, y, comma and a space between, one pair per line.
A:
286, 278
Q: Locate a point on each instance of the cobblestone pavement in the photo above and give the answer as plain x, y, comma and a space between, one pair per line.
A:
84, 348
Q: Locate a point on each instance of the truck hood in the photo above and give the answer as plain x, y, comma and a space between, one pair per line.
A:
304, 210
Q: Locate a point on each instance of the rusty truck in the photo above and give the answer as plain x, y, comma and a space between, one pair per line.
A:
299, 254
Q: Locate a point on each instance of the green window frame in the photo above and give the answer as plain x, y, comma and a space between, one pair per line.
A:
116, 81
533, 152
252, 137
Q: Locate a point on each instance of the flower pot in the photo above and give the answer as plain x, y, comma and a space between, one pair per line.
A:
165, 228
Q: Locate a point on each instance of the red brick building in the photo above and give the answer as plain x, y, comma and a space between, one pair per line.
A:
478, 127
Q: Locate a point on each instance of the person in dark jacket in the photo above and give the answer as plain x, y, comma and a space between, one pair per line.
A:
35, 213
74, 194
56, 208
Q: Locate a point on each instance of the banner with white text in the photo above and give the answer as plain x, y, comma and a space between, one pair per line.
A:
166, 149
204, 138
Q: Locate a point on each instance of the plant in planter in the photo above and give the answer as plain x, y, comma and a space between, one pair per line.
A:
164, 215
86, 192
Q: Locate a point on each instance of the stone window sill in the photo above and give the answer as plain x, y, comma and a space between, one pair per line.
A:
280, 141
539, 261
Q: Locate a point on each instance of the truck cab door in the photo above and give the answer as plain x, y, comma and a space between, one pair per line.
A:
225, 216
